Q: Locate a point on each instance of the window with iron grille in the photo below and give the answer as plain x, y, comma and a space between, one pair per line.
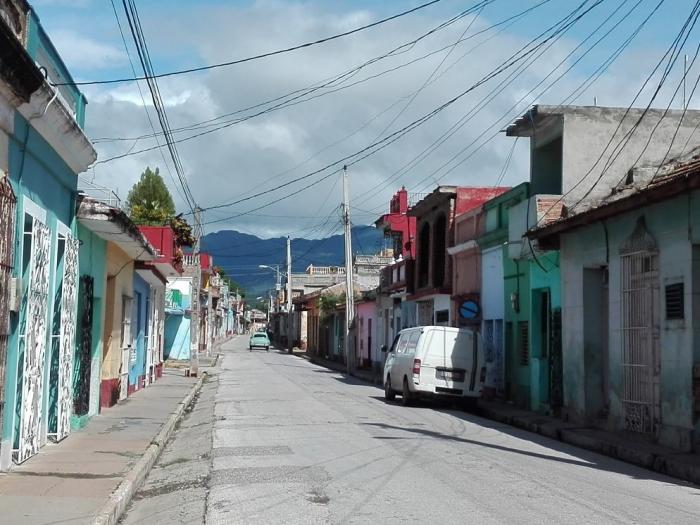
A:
675, 305
524, 341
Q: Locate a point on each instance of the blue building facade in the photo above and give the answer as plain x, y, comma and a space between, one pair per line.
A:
45, 150
139, 326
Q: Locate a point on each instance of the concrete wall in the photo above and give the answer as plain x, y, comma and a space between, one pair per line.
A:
674, 225
366, 321
493, 311
120, 283
544, 278
177, 335
492, 290
184, 286
467, 273
587, 133
37, 173
140, 320
93, 262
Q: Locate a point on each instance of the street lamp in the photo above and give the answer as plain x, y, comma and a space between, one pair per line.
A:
276, 269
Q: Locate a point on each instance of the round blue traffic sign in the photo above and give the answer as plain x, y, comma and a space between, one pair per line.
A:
469, 310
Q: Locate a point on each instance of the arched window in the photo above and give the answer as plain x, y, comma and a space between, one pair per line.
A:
439, 251
424, 255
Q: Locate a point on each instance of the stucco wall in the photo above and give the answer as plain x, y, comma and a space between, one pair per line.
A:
137, 368
674, 225
467, 272
120, 283
492, 283
48, 182
366, 314
93, 262
585, 138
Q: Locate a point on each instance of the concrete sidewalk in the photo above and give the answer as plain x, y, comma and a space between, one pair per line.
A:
624, 446
74, 480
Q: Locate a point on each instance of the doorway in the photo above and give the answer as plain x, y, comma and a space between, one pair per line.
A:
595, 341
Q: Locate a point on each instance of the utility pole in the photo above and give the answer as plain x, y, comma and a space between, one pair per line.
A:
194, 302
290, 346
349, 291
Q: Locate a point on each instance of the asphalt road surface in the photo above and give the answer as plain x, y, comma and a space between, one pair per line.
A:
293, 442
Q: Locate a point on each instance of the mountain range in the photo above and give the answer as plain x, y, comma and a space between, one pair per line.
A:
240, 254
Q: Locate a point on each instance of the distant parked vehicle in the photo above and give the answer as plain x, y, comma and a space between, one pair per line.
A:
435, 361
259, 340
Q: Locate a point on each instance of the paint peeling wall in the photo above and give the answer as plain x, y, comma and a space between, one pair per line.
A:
675, 226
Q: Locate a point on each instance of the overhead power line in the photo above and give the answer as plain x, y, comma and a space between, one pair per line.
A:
338, 79
672, 54
523, 53
136, 29
216, 124
255, 57
145, 107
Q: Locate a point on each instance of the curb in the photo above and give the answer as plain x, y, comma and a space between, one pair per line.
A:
670, 464
112, 510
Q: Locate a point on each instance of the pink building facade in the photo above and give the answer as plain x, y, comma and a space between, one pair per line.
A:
368, 346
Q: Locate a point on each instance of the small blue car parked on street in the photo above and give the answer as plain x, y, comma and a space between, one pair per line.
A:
260, 340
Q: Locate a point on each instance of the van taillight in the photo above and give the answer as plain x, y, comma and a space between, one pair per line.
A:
416, 367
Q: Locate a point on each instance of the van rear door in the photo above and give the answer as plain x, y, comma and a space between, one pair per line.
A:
453, 353
464, 357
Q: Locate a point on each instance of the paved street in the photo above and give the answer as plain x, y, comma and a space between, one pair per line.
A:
297, 443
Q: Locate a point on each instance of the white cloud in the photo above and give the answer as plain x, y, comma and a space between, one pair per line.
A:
81, 52
263, 152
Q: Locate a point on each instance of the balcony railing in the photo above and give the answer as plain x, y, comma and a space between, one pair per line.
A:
415, 198
324, 270
99, 193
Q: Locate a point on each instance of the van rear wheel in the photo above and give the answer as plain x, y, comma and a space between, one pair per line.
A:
406, 397
389, 394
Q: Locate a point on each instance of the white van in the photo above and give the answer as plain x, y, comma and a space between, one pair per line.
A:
430, 361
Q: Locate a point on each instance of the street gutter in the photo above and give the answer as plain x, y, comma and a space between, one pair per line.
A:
116, 504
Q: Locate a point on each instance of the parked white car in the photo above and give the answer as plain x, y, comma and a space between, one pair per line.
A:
435, 361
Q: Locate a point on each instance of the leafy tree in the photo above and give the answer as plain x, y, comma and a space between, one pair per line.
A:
149, 202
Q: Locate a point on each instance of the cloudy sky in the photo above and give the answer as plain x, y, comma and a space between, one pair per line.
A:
459, 145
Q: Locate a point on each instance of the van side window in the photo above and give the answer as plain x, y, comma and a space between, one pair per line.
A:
402, 344
413, 342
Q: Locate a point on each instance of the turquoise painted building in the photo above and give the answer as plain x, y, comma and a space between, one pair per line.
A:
90, 326
631, 278
177, 319
46, 149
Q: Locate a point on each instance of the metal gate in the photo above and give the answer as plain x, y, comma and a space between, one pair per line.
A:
7, 230
640, 335
81, 389
33, 338
69, 297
